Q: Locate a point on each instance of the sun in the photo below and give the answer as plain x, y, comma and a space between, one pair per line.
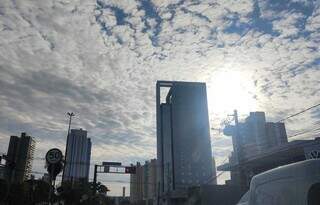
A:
230, 90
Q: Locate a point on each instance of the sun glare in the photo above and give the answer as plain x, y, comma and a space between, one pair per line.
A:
229, 90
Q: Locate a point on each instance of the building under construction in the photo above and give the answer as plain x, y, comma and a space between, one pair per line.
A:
260, 146
19, 158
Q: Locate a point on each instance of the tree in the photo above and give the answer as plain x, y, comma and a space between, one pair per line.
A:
3, 190
82, 193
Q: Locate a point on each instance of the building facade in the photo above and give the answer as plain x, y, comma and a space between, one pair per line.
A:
19, 158
78, 156
183, 138
257, 137
136, 185
143, 184
150, 181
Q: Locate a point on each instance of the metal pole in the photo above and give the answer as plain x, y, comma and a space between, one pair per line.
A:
236, 121
242, 176
70, 114
95, 179
51, 186
236, 138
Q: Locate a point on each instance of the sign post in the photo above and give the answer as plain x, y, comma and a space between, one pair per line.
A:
54, 167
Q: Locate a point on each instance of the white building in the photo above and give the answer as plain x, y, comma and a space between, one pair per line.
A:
77, 156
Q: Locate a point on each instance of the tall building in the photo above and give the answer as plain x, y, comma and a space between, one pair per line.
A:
276, 133
256, 138
19, 158
256, 135
150, 181
136, 185
143, 184
78, 156
183, 138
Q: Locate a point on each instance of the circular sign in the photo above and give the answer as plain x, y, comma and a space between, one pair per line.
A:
54, 156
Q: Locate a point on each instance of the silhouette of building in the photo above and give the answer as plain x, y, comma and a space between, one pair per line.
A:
183, 138
19, 158
78, 156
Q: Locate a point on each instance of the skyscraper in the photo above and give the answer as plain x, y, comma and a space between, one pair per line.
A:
19, 158
183, 138
78, 156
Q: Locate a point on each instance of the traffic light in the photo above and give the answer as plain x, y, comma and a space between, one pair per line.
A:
130, 170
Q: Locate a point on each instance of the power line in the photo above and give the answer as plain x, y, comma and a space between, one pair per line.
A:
304, 132
298, 113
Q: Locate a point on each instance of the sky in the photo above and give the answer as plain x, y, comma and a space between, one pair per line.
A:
101, 59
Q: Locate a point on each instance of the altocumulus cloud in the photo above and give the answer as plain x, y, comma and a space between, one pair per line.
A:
101, 59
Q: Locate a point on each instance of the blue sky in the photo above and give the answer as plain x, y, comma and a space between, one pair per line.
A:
101, 59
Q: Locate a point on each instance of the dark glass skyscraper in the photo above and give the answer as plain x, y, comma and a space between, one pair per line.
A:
78, 156
183, 137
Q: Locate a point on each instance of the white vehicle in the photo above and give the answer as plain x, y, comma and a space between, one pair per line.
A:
294, 184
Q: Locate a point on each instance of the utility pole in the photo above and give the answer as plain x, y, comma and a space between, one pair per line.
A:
237, 149
70, 114
95, 179
236, 141
237, 137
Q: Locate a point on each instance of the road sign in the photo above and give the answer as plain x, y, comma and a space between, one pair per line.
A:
54, 156
111, 163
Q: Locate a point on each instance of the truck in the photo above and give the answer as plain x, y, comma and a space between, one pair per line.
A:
293, 184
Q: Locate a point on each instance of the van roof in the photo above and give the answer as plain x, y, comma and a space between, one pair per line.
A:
300, 169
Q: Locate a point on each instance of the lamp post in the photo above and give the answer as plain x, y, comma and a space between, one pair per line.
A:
70, 114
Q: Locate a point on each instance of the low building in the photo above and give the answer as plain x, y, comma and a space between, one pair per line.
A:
284, 154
